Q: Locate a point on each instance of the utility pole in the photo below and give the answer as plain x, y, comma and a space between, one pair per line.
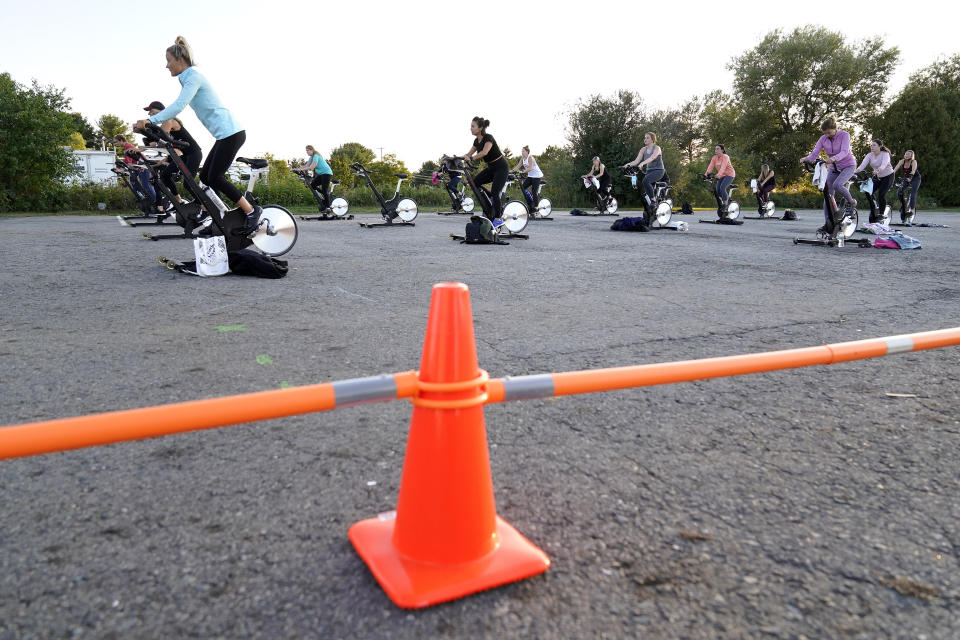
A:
381, 153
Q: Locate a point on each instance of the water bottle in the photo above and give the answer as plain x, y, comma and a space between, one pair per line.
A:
633, 181
215, 199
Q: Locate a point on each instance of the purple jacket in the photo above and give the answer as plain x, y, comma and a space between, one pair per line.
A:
838, 149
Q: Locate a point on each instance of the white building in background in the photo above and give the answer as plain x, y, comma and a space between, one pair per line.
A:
93, 166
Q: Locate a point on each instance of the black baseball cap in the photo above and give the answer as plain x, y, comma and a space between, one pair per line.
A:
154, 105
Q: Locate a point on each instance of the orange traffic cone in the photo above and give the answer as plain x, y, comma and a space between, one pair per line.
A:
445, 539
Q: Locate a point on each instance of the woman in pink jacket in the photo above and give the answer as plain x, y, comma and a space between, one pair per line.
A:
843, 164
725, 173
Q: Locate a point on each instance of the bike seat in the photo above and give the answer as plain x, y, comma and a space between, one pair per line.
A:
334, 182
733, 186
402, 176
543, 183
255, 163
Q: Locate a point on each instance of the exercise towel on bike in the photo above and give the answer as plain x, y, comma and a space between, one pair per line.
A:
211, 256
820, 175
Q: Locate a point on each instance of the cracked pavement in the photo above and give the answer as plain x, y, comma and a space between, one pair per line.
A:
795, 504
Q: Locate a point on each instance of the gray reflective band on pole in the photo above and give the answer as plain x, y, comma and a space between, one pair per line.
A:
525, 387
899, 344
357, 390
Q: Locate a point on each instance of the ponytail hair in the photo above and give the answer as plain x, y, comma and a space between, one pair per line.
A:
180, 50
526, 148
481, 122
882, 146
830, 122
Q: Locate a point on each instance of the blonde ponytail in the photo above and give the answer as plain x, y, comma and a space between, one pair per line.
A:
180, 50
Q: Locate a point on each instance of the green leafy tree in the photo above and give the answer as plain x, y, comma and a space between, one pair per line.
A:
384, 173
33, 129
81, 125
109, 126
925, 118
786, 85
343, 156
76, 141
682, 127
607, 126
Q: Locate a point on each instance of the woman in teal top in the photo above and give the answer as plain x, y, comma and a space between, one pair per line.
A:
229, 135
321, 178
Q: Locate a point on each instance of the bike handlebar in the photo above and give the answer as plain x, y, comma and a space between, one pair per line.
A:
155, 133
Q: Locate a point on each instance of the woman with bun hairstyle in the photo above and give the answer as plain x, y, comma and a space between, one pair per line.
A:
229, 135
911, 177
497, 169
843, 164
599, 171
651, 157
879, 161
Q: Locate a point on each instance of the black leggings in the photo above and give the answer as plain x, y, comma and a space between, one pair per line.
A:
221, 156
763, 193
321, 184
496, 174
534, 186
604, 187
192, 160
880, 188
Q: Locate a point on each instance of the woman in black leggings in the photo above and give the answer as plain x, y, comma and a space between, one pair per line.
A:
229, 135
495, 173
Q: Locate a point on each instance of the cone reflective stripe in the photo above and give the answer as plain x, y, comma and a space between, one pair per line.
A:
445, 540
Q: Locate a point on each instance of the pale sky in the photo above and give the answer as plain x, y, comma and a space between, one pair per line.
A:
409, 76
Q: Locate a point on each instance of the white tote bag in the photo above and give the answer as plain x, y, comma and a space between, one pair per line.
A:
211, 256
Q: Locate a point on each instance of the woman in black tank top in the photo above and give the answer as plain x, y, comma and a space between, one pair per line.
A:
911, 178
191, 156
495, 173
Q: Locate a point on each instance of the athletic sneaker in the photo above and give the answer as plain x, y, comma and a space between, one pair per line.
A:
253, 221
497, 222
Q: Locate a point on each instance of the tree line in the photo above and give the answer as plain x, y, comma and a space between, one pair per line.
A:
782, 89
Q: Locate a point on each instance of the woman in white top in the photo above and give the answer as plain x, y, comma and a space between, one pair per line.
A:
879, 161
528, 164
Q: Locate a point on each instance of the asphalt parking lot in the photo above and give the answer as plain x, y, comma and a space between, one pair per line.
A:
818, 502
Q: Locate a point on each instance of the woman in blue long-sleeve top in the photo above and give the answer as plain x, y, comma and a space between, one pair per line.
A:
229, 135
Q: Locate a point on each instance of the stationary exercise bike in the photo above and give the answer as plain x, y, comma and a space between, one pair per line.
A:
660, 209
396, 207
448, 173
207, 215
866, 183
513, 214
730, 211
148, 208
539, 208
765, 205
903, 195
604, 201
843, 218
338, 207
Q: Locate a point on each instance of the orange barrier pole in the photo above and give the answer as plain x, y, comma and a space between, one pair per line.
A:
135, 424
573, 382
149, 422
